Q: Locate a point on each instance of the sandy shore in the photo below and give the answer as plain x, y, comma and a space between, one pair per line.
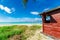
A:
18, 24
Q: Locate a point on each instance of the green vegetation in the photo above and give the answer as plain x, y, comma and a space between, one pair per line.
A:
7, 32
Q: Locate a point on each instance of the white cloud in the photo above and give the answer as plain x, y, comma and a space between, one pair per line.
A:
35, 13
45, 9
6, 9
10, 19
1, 7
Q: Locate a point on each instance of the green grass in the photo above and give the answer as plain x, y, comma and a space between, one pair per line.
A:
9, 31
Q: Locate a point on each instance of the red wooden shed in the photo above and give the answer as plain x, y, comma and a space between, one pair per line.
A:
51, 22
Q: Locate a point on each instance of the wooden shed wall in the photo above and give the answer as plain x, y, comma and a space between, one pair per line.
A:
53, 28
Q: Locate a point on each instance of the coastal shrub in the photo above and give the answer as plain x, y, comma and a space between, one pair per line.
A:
30, 31
34, 27
7, 32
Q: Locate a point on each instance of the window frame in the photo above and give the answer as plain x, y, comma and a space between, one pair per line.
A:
48, 21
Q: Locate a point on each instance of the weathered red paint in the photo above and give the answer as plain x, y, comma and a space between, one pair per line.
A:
52, 28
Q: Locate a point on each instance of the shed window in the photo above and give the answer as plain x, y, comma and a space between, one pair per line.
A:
47, 19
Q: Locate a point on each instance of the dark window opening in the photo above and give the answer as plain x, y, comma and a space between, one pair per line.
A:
47, 19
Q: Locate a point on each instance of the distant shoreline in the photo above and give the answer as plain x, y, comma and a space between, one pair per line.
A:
18, 24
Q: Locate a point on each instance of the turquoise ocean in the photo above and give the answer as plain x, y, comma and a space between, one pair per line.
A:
20, 22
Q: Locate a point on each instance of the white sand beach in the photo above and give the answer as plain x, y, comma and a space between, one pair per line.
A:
18, 24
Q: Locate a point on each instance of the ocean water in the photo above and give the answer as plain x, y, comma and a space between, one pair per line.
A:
20, 22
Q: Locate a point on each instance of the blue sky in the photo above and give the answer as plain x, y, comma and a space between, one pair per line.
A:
14, 11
